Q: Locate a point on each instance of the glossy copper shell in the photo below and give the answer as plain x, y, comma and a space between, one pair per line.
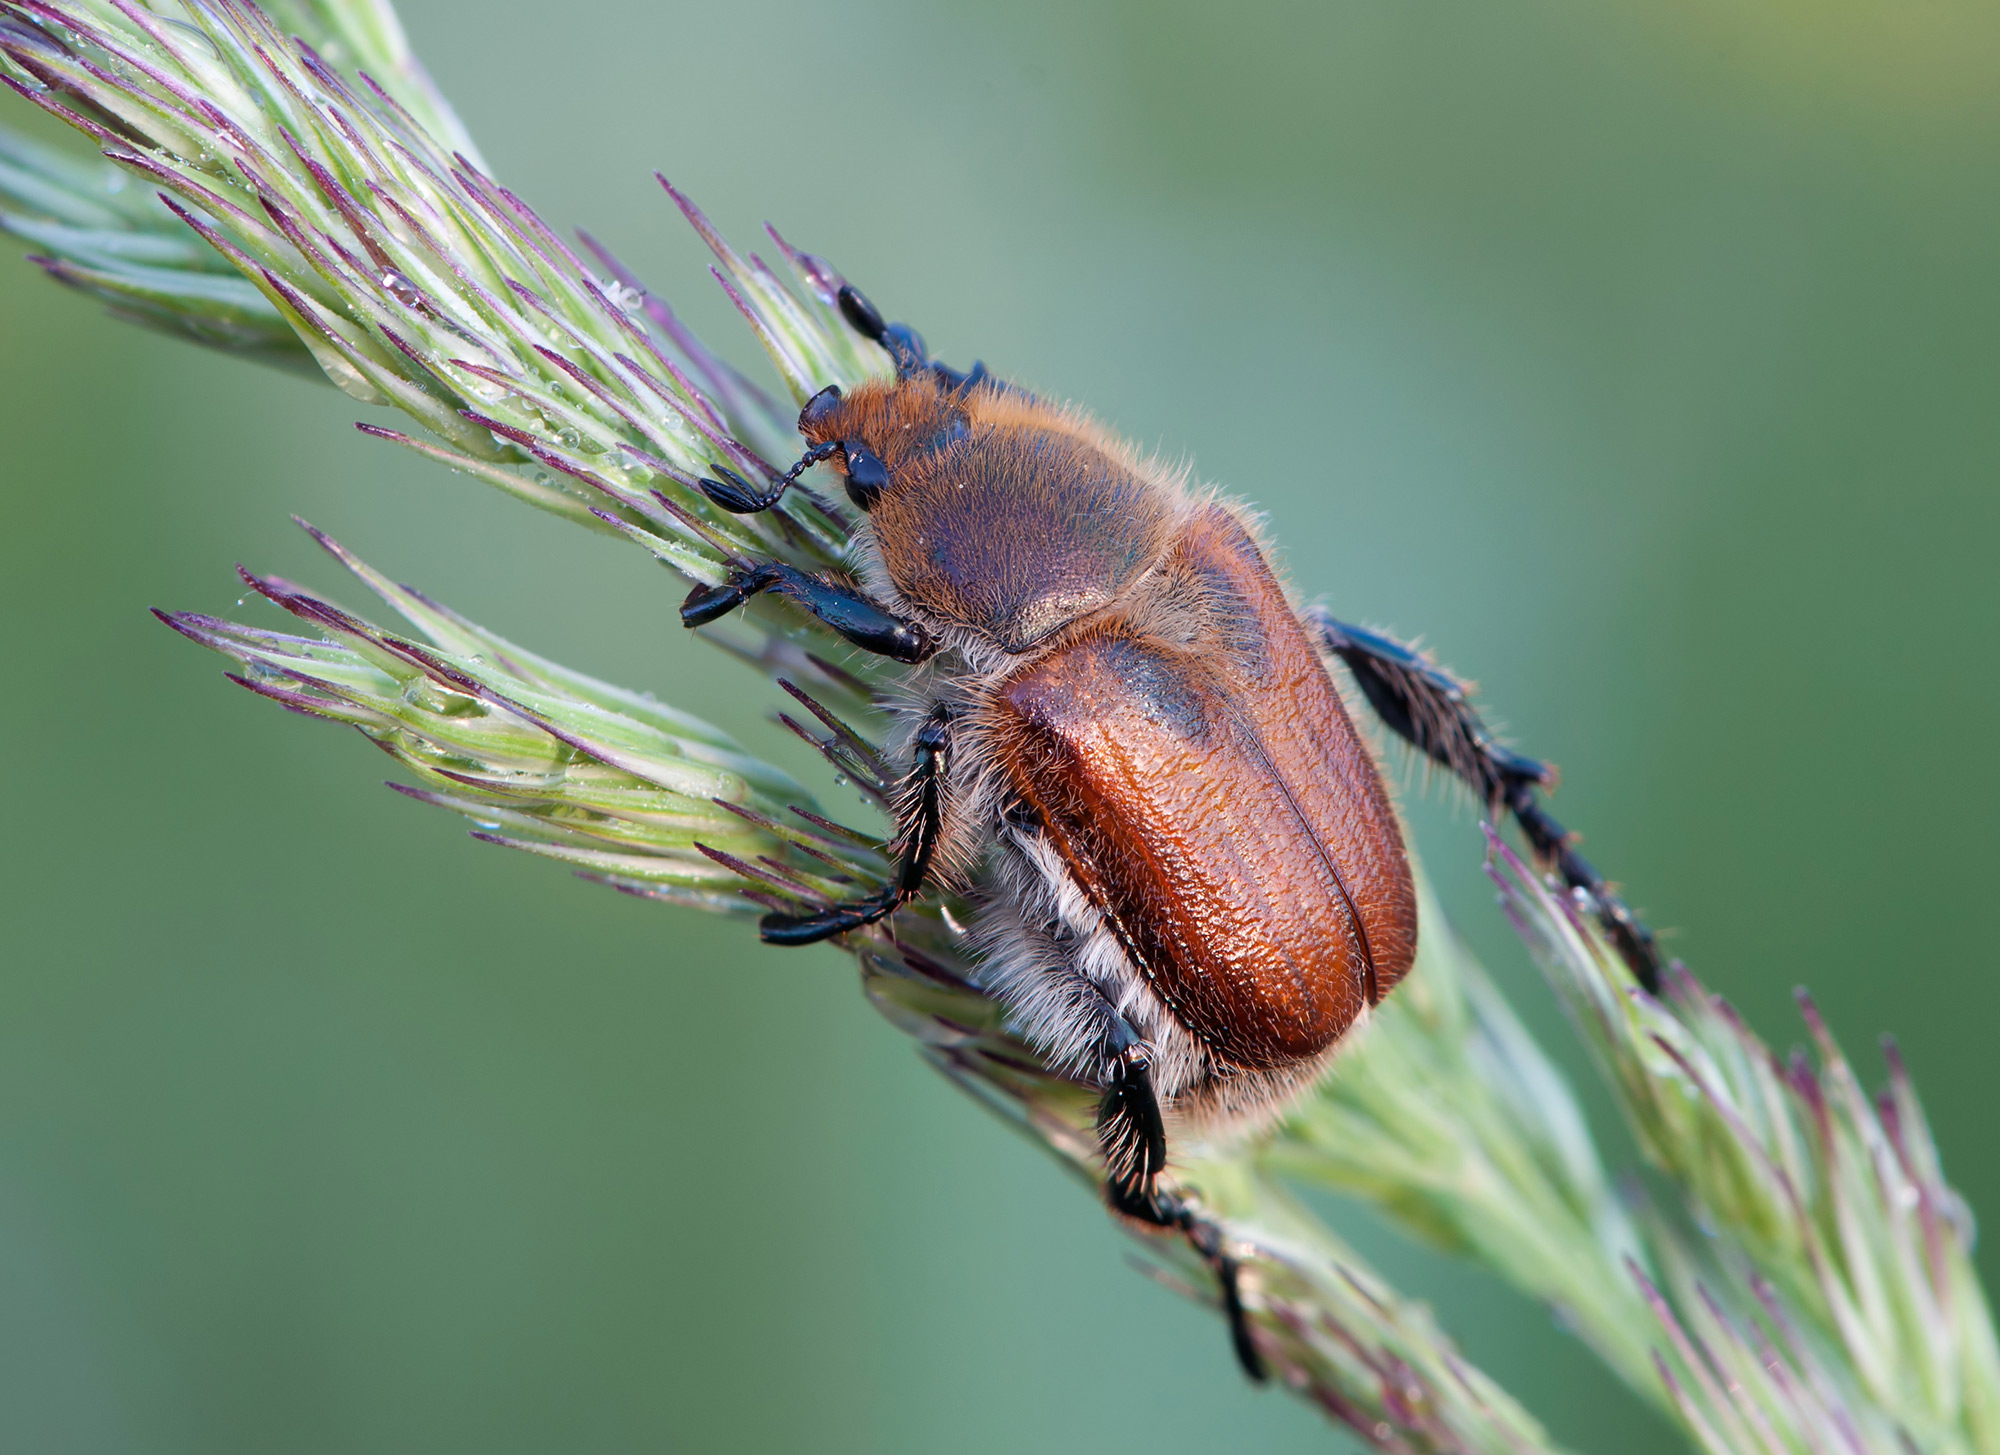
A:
1212, 797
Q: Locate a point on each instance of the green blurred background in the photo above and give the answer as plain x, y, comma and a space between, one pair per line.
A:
1642, 357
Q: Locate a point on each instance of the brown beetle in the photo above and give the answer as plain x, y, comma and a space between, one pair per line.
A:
1195, 881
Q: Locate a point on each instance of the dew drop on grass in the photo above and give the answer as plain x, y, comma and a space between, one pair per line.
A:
401, 288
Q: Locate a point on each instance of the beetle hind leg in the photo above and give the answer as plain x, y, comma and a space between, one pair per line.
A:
1076, 1002
1433, 712
1131, 1131
1206, 1238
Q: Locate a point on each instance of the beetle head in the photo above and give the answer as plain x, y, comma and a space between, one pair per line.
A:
880, 427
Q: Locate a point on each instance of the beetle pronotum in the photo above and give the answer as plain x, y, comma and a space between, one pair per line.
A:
1194, 879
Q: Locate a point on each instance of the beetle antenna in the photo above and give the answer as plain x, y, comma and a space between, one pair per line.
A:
739, 497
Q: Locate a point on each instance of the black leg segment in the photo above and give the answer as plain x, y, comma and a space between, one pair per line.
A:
1206, 1239
1132, 1134
905, 344
843, 608
1167, 1210
925, 819
1430, 709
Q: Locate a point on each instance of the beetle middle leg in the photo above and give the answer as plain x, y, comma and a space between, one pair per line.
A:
925, 817
844, 608
1431, 710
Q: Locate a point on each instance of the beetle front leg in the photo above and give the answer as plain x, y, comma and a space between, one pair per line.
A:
906, 346
1431, 710
843, 608
920, 841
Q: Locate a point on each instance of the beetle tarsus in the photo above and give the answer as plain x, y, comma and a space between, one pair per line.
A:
932, 747
1431, 710
1207, 1240
843, 608
1167, 1210
835, 919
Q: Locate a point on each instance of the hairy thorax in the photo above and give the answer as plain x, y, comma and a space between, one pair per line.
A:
1007, 519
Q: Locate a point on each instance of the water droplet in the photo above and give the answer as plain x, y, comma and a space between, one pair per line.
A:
840, 780
486, 823
195, 34
401, 288
569, 436
479, 659
241, 599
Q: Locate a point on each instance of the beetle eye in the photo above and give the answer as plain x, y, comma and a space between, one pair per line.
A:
819, 406
867, 476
